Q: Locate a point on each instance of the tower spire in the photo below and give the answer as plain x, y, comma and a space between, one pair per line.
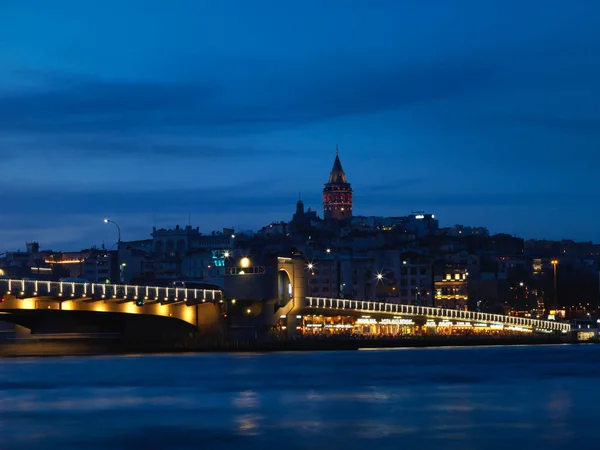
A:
337, 195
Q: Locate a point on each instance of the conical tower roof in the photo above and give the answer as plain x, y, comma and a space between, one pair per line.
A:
337, 175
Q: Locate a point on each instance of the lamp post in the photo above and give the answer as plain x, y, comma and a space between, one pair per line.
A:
554, 262
311, 271
118, 229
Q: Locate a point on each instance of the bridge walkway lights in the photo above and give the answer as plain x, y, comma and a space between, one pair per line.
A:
93, 292
511, 322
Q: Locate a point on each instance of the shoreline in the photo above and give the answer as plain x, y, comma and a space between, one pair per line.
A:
33, 347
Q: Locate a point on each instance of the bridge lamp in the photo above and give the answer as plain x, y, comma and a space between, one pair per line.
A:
328, 250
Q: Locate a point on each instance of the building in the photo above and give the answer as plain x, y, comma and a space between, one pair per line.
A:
337, 194
450, 285
421, 224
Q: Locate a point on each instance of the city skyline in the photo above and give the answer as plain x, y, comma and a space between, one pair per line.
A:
482, 116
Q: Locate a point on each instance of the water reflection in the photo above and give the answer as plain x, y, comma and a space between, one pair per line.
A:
459, 398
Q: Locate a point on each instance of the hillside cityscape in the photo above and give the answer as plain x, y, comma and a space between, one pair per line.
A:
407, 260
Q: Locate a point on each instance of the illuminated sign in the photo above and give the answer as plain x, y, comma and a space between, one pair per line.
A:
420, 216
218, 257
363, 321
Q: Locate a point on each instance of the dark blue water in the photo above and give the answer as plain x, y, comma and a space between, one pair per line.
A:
459, 398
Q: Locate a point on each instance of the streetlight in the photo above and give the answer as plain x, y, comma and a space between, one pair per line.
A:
310, 266
118, 229
554, 262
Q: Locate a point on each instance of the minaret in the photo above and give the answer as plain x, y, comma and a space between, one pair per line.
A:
337, 195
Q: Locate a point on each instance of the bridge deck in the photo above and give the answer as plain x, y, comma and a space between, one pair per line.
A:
96, 291
440, 314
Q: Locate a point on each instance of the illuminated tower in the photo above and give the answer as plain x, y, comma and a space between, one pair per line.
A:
337, 195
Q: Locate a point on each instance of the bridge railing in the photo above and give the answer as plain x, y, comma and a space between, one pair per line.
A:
430, 312
97, 291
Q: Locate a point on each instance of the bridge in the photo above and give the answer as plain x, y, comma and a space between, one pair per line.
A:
21, 300
36, 304
388, 314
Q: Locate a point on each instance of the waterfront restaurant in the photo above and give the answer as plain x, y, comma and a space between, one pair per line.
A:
398, 326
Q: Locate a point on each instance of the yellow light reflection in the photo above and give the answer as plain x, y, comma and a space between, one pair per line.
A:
28, 303
188, 314
130, 308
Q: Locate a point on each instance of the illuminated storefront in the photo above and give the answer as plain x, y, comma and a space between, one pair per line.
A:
369, 326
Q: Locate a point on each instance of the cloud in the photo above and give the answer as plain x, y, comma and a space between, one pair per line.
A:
77, 105
258, 197
571, 125
150, 145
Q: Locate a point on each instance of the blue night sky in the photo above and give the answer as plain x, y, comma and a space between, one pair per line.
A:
484, 113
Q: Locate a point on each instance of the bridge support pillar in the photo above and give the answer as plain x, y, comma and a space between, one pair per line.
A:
292, 326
